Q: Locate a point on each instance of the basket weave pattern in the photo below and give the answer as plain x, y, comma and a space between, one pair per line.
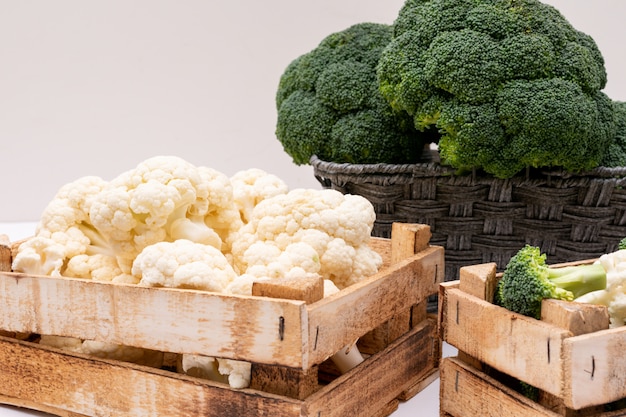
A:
478, 218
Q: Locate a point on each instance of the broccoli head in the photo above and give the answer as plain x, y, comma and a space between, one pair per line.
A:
329, 104
527, 280
615, 155
508, 84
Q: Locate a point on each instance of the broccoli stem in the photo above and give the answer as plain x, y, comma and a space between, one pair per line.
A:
579, 279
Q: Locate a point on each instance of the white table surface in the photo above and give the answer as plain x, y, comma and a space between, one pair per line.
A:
424, 404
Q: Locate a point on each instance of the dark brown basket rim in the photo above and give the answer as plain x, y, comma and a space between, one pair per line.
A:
436, 169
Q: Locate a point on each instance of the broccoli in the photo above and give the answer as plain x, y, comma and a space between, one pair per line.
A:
622, 244
329, 105
615, 155
527, 280
508, 84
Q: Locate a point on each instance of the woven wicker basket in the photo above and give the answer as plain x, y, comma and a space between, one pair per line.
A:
478, 218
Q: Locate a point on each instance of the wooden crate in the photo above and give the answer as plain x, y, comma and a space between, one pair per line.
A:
288, 342
570, 355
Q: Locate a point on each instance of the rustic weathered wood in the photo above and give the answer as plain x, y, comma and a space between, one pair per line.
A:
488, 333
308, 289
24, 403
291, 382
289, 335
257, 329
183, 321
570, 355
381, 378
83, 385
408, 239
383, 247
5, 253
422, 382
479, 280
406, 283
70, 385
467, 392
411, 239
578, 318
595, 368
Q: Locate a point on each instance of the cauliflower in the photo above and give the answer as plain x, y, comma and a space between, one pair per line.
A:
183, 264
266, 260
252, 186
202, 367
238, 372
64, 231
614, 296
164, 198
336, 226
100, 227
40, 256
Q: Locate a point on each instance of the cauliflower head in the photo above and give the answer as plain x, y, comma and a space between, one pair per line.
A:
319, 231
64, 231
183, 264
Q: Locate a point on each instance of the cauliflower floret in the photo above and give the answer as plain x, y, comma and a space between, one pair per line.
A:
617, 309
202, 367
614, 295
336, 226
183, 264
238, 372
242, 284
252, 186
65, 220
267, 260
164, 198
40, 256
63, 230
98, 267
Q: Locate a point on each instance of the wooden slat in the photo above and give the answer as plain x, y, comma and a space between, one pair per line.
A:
368, 304
511, 343
383, 247
595, 368
70, 385
380, 379
578, 318
257, 329
5, 253
479, 280
408, 239
291, 382
57, 380
467, 392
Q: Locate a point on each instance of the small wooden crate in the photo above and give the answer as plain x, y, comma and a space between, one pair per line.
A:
571, 357
288, 342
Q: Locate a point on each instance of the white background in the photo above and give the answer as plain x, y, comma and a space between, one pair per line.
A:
93, 88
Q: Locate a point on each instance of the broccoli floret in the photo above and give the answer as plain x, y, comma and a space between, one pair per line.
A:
615, 155
622, 244
329, 105
536, 78
527, 280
